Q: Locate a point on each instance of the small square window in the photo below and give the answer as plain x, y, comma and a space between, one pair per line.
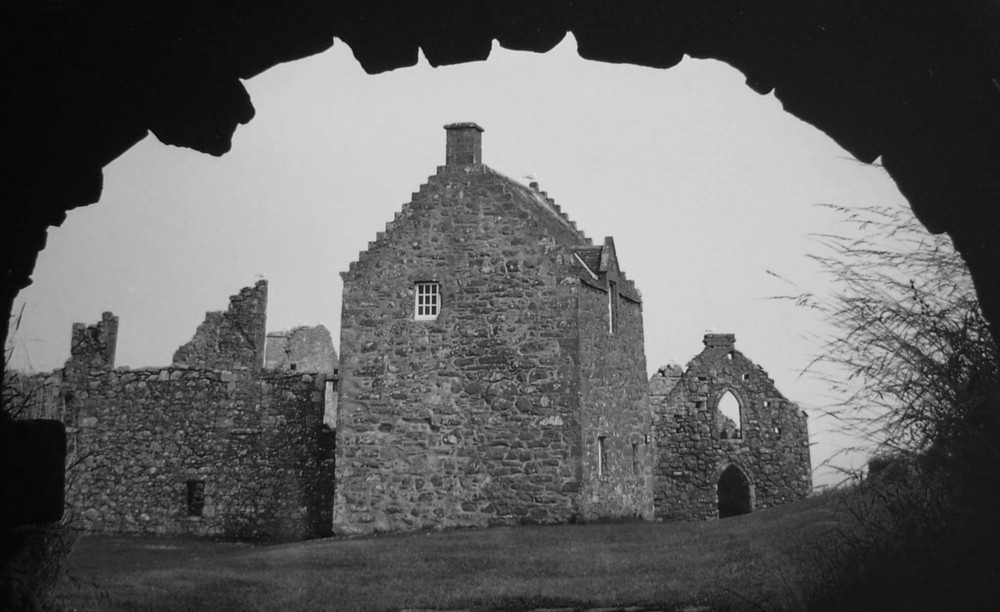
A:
427, 301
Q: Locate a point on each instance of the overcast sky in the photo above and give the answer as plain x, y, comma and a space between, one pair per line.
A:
704, 185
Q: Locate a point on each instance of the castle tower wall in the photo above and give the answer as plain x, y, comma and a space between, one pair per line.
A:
616, 425
469, 418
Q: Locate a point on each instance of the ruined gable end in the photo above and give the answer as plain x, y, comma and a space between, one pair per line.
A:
728, 441
232, 339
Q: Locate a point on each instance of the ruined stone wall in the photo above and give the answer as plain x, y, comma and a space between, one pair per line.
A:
473, 418
255, 442
94, 346
772, 449
302, 349
664, 381
614, 407
232, 339
228, 450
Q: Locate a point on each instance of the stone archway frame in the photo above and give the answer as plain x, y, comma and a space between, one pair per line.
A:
724, 465
915, 85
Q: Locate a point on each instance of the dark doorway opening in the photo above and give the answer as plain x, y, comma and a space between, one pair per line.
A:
734, 493
195, 497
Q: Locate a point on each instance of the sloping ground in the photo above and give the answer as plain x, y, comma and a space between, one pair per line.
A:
752, 562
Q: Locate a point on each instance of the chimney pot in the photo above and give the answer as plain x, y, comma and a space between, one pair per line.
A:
464, 144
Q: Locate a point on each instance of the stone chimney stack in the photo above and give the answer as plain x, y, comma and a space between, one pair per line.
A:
464, 145
720, 340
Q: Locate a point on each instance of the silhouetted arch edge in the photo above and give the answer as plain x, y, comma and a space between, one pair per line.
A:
925, 102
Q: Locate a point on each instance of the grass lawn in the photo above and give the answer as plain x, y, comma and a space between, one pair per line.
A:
753, 562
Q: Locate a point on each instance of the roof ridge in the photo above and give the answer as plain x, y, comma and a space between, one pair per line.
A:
545, 203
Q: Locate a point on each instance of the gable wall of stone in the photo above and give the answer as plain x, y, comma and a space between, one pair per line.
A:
471, 419
773, 451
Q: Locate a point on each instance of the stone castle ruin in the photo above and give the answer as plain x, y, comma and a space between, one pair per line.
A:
213, 445
492, 372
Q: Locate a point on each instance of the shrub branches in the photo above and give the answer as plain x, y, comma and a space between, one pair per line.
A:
916, 367
912, 354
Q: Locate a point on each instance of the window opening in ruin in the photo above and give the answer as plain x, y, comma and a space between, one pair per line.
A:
730, 424
195, 497
733, 493
729, 356
746, 377
612, 306
427, 298
602, 456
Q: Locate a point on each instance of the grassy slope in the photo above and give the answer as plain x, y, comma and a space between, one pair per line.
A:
750, 562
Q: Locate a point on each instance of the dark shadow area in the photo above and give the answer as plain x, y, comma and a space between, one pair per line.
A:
917, 85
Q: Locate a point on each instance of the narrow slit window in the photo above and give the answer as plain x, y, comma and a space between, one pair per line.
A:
602, 456
427, 298
195, 497
612, 307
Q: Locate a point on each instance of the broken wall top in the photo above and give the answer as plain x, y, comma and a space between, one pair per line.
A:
93, 347
232, 339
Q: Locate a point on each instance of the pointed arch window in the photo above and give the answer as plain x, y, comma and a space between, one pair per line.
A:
730, 417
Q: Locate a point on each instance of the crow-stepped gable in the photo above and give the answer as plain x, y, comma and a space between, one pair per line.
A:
492, 367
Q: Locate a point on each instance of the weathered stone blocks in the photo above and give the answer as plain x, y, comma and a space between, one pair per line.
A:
498, 377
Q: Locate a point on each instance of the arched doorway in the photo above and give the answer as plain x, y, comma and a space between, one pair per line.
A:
734, 493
